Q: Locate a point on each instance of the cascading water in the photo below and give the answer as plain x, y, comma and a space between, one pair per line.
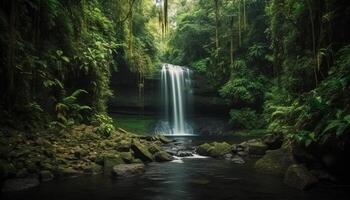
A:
176, 94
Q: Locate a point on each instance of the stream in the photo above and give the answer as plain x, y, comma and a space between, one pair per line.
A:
185, 178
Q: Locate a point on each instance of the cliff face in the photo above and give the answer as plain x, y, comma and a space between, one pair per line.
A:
127, 98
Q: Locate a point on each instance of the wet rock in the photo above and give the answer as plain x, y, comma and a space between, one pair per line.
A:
12, 185
184, 153
237, 160
273, 141
228, 156
299, 177
257, 148
125, 170
162, 156
141, 151
242, 153
46, 175
275, 162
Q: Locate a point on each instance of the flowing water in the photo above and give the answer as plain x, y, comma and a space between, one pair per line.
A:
176, 95
190, 178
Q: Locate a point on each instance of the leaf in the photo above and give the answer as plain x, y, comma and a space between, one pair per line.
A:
347, 119
331, 125
65, 58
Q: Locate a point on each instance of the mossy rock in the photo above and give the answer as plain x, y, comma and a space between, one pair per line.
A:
162, 156
204, 149
128, 157
275, 162
220, 149
141, 151
154, 148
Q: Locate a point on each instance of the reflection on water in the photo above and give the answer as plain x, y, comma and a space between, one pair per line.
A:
190, 179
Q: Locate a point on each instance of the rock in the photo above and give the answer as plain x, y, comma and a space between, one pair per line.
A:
163, 139
162, 156
220, 149
46, 175
17, 184
275, 162
204, 149
299, 177
215, 149
257, 148
123, 146
141, 152
184, 153
124, 170
273, 141
154, 148
93, 168
228, 156
237, 160
67, 172
242, 153
127, 156
111, 160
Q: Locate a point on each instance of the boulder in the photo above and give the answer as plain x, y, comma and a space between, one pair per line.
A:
215, 149
257, 148
273, 141
125, 170
220, 149
275, 162
46, 175
237, 160
123, 146
17, 184
204, 149
162, 156
298, 176
141, 152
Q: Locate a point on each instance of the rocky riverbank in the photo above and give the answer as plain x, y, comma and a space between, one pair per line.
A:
28, 159
276, 156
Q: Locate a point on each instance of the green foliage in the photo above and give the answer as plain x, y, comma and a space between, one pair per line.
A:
104, 124
245, 118
69, 111
242, 90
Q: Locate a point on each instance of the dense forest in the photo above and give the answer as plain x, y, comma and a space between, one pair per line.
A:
281, 67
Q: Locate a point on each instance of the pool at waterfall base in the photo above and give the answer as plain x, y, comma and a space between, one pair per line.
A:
192, 178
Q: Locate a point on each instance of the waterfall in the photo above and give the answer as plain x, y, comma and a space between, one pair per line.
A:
175, 95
